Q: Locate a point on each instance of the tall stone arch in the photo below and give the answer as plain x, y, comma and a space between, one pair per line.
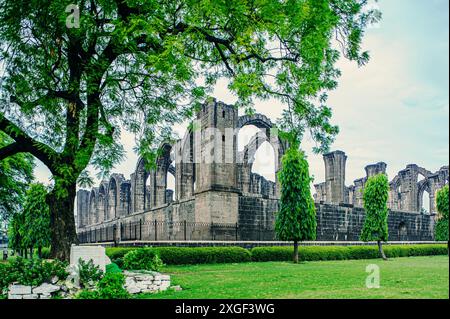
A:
93, 206
140, 189
424, 186
113, 201
102, 201
159, 175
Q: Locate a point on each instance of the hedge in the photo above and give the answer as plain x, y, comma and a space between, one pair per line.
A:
188, 255
312, 253
204, 255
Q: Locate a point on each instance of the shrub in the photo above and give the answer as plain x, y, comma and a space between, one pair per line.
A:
45, 254
111, 287
30, 272
188, 255
113, 268
312, 253
142, 259
203, 255
89, 273
116, 254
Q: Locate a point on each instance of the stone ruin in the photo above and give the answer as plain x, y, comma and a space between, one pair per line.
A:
215, 185
406, 189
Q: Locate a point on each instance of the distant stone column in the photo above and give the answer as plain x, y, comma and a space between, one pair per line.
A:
83, 207
374, 169
335, 176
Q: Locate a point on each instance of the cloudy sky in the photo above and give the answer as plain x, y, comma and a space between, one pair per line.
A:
395, 109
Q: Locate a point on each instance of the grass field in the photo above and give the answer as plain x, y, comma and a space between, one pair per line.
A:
411, 277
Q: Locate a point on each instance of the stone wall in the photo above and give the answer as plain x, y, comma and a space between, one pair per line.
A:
217, 196
344, 223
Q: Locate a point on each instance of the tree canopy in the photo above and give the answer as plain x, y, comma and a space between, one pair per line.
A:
16, 173
441, 230
31, 227
375, 197
296, 219
75, 76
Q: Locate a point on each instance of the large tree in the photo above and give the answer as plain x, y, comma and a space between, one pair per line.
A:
69, 87
296, 220
16, 172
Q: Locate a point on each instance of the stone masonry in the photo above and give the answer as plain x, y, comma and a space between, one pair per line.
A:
214, 184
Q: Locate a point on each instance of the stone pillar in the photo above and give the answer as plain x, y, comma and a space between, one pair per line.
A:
358, 192
83, 208
374, 169
335, 176
409, 189
125, 198
215, 145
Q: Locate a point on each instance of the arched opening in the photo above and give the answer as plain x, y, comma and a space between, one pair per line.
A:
171, 189
102, 203
264, 162
425, 207
402, 232
93, 213
245, 134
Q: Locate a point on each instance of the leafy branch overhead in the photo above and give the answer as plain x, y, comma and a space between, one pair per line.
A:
66, 94
143, 65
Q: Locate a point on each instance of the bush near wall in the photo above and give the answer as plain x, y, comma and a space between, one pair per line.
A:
204, 255
313, 253
188, 255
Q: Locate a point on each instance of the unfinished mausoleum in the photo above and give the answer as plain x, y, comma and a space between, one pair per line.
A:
218, 197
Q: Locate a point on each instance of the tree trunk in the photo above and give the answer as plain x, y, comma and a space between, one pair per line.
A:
295, 252
380, 249
40, 252
62, 221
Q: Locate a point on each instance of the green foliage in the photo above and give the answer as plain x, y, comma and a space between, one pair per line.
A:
202, 255
188, 255
109, 287
16, 173
375, 197
36, 227
113, 268
32, 272
46, 253
441, 229
139, 66
442, 201
31, 227
315, 253
89, 273
142, 259
296, 219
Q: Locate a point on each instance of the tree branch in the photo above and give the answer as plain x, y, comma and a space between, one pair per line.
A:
26, 144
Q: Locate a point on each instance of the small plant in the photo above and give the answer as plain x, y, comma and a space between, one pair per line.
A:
142, 259
89, 273
113, 268
109, 287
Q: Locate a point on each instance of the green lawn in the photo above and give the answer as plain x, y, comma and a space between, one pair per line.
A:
412, 277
